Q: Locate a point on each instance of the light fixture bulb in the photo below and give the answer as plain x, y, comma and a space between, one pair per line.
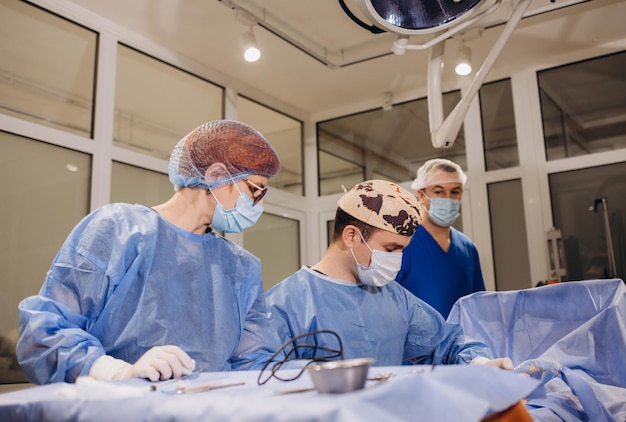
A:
251, 52
463, 69
464, 65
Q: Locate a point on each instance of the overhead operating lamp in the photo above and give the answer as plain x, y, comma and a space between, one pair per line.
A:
441, 20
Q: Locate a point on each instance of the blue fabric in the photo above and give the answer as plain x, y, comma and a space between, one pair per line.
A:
445, 393
386, 323
437, 277
570, 335
126, 280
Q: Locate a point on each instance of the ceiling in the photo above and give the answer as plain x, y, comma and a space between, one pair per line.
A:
319, 62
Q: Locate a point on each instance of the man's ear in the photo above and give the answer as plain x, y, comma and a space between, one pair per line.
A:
349, 235
216, 171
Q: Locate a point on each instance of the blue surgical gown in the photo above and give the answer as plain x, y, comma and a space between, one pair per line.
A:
388, 324
438, 277
126, 280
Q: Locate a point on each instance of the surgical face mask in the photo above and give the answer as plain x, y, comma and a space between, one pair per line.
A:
444, 211
244, 215
383, 269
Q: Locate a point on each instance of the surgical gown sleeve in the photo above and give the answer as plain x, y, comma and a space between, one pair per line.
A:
54, 344
432, 340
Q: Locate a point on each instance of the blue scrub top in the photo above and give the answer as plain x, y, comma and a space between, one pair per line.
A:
386, 323
437, 277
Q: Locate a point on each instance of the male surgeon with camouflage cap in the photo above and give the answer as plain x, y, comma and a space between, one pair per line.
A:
351, 291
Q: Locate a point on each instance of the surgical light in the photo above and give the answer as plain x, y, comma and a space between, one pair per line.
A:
414, 16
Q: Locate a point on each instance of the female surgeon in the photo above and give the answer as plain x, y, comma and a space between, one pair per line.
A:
153, 292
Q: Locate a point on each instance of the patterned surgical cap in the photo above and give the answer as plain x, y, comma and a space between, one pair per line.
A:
383, 205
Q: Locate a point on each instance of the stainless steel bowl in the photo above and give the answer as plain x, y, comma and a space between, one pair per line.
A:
340, 376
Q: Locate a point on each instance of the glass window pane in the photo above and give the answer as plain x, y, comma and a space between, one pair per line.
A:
393, 143
335, 172
47, 68
498, 120
582, 106
381, 176
553, 133
157, 104
285, 135
276, 242
508, 235
330, 228
44, 192
582, 216
135, 185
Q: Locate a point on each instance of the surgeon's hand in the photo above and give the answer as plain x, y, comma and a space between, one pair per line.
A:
502, 363
158, 363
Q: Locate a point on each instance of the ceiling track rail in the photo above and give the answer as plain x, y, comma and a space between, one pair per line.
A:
322, 56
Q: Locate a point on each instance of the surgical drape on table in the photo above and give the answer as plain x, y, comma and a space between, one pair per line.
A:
572, 335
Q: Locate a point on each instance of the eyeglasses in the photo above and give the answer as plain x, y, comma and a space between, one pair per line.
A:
256, 188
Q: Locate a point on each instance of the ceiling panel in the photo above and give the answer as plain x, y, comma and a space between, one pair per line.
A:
357, 65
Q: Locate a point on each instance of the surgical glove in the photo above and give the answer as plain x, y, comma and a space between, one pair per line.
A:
160, 362
502, 363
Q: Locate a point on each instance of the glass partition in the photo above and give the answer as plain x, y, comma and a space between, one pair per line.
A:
157, 104
337, 172
135, 185
576, 123
391, 143
589, 207
498, 122
275, 240
44, 192
47, 68
285, 134
508, 235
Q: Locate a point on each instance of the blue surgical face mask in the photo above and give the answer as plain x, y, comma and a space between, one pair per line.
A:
236, 220
383, 269
444, 211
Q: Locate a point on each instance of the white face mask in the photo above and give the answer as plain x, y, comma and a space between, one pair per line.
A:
383, 269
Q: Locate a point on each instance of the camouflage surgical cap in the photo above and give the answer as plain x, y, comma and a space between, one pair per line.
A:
383, 205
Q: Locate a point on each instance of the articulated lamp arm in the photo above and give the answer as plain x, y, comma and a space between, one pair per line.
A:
444, 132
